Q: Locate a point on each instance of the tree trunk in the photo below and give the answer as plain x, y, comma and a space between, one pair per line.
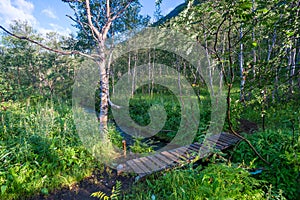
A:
210, 68
149, 71
133, 83
104, 89
292, 68
242, 69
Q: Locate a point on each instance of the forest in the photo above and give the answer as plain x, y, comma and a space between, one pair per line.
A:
74, 109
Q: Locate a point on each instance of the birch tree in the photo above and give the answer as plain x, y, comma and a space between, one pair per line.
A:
95, 21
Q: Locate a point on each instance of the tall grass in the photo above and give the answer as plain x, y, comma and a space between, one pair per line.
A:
39, 149
217, 181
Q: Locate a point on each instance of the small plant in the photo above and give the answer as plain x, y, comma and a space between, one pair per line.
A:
115, 193
141, 147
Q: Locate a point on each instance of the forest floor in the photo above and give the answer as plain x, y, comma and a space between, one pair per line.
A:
99, 181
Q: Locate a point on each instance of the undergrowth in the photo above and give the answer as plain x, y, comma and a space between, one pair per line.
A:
39, 149
217, 181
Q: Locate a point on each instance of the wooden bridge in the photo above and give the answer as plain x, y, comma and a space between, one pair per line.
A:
177, 157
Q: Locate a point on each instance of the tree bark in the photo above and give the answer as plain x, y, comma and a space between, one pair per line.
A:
242, 69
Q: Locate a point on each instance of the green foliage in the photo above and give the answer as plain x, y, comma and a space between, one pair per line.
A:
115, 193
27, 70
277, 147
39, 149
115, 136
141, 147
217, 181
141, 102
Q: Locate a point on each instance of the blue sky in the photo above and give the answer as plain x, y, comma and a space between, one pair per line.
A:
50, 15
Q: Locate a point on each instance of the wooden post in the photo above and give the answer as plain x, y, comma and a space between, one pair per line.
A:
124, 147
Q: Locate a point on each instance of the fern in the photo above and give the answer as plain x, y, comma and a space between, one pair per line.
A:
115, 193
100, 195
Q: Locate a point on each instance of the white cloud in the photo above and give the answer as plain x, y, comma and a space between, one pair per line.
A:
61, 30
55, 28
49, 13
23, 10
17, 10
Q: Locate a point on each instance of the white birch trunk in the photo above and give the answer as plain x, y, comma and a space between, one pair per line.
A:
242, 69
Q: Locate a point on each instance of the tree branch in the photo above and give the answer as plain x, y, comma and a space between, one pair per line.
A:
90, 22
121, 11
44, 46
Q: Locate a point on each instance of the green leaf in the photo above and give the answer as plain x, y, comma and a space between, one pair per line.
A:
44, 191
246, 5
3, 189
254, 44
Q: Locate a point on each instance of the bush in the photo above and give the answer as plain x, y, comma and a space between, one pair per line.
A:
278, 148
39, 149
217, 181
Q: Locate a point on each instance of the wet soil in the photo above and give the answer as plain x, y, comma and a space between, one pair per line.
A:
247, 126
100, 180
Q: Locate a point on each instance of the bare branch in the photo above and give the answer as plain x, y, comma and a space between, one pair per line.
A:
90, 22
80, 23
110, 19
44, 46
76, 20
216, 38
108, 9
117, 15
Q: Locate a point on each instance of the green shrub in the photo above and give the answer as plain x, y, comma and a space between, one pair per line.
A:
217, 181
277, 148
39, 149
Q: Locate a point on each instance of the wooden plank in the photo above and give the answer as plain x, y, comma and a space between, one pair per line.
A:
225, 139
231, 140
184, 152
158, 162
217, 137
232, 137
141, 165
212, 144
203, 150
135, 167
197, 145
174, 158
124, 168
194, 149
178, 155
168, 161
149, 164
222, 143
214, 136
218, 142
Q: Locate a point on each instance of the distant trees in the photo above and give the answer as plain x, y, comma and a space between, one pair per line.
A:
255, 42
27, 69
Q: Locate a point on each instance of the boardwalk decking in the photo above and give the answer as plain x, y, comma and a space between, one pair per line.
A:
177, 157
